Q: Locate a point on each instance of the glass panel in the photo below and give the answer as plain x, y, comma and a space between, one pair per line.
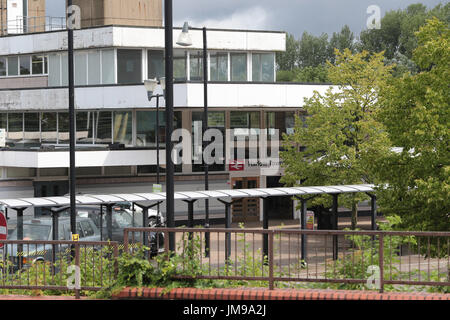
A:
219, 67
129, 64
85, 133
290, 122
156, 64
268, 67
108, 69
94, 68
89, 171
2, 66
37, 64
118, 171
146, 128
54, 72
263, 67
48, 127
80, 68
3, 120
63, 127
25, 67
123, 127
179, 65
245, 123
32, 131
103, 125
64, 70
196, 66
15, 126
13, 66
45, 64
238, 67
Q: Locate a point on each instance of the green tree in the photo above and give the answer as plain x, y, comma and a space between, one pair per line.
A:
345, 39
287, 60
340, 137
313, 51
416, 115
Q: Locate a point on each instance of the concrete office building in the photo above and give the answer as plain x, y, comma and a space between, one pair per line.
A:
115, 122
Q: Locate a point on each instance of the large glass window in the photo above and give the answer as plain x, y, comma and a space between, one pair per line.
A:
15, 126
63, 127
25, 65
32, 130
49, 127
13, 66
179, 65
108, 68
129, 65
103, 123
84, 125
155, 64
238, 66
219, 66
196, 65
263, 67
2, 67
123, 127
94, 75
246, 127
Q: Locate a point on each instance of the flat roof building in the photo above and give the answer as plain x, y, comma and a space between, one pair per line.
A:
115, 122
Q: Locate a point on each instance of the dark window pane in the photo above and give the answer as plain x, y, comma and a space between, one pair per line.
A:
3, 120
2, 66
129, 64
25, 67
32, 132
156, 64
146, 128
63, 127
85, 132
48, 127
37, 64
103, 123
15, 126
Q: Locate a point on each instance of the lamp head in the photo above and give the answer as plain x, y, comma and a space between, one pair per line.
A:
150, 86
184, 38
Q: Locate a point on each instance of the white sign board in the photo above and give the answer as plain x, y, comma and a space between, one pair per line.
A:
15, 16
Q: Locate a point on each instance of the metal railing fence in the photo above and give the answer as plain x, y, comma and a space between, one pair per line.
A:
362, 259
55, 265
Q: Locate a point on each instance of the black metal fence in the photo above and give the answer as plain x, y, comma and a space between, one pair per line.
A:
362, 259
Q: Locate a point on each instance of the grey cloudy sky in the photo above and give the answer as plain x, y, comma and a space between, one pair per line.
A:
293, 16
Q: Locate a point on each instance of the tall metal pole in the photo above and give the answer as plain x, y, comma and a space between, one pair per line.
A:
168, 25
205, 127
157, 150
72, 177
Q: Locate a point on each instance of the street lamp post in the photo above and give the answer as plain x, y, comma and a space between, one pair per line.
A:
150, 86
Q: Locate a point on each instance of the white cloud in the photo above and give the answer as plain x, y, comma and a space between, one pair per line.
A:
254, 18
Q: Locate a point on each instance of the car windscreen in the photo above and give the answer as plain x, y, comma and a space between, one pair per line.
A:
121, 219
33, 232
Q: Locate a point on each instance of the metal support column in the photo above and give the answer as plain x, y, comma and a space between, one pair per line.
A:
265, 227
373, 212
304, 247
335, 226
109, 221
227, 226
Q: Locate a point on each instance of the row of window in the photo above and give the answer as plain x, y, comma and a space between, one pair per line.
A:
23, 65
98, 67
105, 127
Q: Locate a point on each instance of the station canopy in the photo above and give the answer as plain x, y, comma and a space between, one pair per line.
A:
94, 199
